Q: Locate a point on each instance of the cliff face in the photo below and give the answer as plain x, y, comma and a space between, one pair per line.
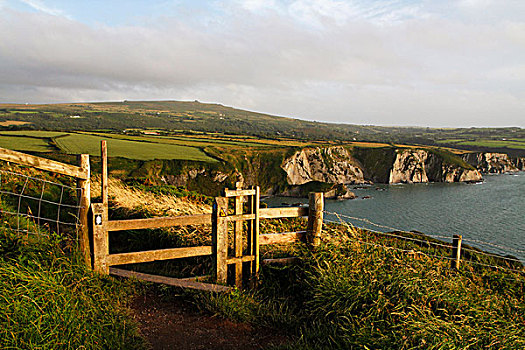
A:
519, 163
416, 166
329, 165
490, 163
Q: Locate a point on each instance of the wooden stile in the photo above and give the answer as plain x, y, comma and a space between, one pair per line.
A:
43, 164
84, 202
256, 200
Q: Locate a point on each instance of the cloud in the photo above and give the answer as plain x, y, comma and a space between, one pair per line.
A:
42, 7
379, 62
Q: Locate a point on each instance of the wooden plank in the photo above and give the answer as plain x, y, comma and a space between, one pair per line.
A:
156, 255
166, 221
237, 193
257, 200
288, 212
315, 218
84, 202
100, 238
280, 261
240, 259
43, 164
238, 232
281, 238
176, 282
243, 217
104, 179
220, 239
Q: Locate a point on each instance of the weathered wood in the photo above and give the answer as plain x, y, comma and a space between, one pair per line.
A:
281, 238
456, 251
238, 232
315, 218
156, 255
43, 163
104, 179
280, 261
166, 221
243, 217
237, 193
289, 212
176, 282
84, 202
220, 239
257, 200
100, 238
240, 259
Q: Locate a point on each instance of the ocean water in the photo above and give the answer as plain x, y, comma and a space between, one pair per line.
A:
492, 211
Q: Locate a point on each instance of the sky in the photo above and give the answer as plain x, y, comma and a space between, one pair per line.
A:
438, 63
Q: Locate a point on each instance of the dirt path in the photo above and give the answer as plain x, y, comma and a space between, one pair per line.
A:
177, 324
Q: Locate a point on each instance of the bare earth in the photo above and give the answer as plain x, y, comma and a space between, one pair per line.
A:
176, 324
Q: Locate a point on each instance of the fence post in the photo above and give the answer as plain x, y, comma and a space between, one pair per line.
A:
220, 239
256, 204
84, 203
315, 218
104, 179
100, 238
238, 233
456, 251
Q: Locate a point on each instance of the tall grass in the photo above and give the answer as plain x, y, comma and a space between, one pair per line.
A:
349, 295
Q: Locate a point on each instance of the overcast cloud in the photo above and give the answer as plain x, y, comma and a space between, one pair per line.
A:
388, 62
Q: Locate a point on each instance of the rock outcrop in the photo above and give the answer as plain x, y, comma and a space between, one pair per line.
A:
329, 165
490, 163
519, 163
417, 166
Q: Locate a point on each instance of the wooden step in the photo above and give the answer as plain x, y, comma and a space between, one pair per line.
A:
177, 282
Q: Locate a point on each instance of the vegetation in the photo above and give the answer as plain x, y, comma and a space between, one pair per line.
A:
48, 298
191, 117
349, 295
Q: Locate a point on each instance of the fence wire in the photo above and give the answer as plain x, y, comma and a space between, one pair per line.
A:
34, 206
434, 244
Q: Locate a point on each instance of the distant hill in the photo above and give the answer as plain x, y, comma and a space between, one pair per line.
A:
216, 118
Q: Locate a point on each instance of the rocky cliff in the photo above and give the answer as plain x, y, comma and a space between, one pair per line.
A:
490, 163
337, 165
519, 163
329, 165
416, 166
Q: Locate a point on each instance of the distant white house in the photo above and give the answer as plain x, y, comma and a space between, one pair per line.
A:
74, 116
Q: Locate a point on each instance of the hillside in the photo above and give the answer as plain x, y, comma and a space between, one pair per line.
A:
216, 118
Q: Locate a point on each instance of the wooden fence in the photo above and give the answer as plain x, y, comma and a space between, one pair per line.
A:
82, 175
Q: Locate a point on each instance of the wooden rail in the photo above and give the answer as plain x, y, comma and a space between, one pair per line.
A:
160, 222
155, 255
44, 164
282, 238
177, 282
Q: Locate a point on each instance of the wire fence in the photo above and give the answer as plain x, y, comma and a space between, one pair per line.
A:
31, 205
434, 246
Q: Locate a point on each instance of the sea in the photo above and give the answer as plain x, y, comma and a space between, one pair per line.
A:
489, 215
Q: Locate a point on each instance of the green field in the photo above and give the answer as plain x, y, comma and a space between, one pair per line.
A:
81, 143
34, 133
28, 144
